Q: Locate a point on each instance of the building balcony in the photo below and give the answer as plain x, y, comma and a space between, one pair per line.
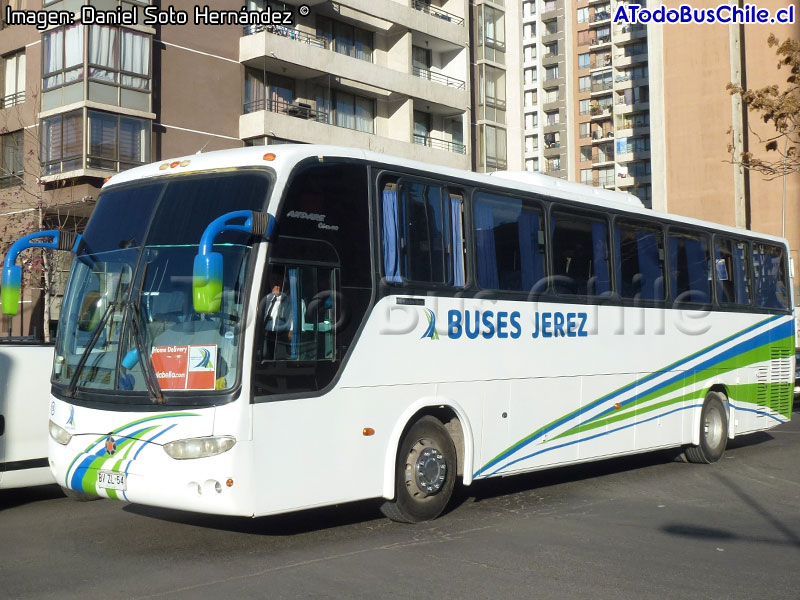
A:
314, 127
435, 11
292, 34
438, 78
440, 144
304, 56
599, 138
626, 157
12, 99
601, 89
620, 108
627, 33
600, 42
621, 60
629, 181
598, 113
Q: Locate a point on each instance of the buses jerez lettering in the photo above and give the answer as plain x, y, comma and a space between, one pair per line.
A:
488, 324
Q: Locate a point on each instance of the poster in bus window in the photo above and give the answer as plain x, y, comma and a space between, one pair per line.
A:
185, 367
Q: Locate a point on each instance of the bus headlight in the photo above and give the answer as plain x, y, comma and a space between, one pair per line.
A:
59, 434
199, 447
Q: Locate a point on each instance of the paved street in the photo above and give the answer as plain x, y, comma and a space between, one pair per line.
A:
640, 527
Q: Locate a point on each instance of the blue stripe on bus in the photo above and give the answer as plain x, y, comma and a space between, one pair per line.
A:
595, 436
786, 328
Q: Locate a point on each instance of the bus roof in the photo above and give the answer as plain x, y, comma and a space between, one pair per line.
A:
287, 155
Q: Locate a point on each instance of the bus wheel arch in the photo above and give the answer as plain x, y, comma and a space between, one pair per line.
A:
712, 428
430, 421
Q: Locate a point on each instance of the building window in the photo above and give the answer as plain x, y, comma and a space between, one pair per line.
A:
551, 95
11, 145
583, 106
354, 112
13, 79
493, 142
551, 73
532, 164
530, 75
584, 130
530, 98
529, 53
583, 38
606, 176
552, 118
583, 60
62, 56
117, 142
551, 27
586, 152
554, 164
119, 56
529, 31
584, 83
491, 34
492, 90
586, 176
528, 8
583, 14
61, 143
531, 120
346, 39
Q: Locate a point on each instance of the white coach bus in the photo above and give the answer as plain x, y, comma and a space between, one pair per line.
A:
262, 330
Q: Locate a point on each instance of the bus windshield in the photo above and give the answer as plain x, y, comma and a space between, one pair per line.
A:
127, 322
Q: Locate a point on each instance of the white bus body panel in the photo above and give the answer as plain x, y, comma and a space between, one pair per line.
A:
24, 405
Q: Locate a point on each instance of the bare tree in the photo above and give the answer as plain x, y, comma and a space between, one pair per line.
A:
27, 207
779, 107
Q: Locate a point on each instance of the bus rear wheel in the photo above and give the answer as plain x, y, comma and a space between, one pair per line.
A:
425, 473
713, 431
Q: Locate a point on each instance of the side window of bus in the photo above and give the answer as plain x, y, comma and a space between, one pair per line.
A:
580, 255
640, 260
509, 240
769, 276
690, 267
422, 232
731, 272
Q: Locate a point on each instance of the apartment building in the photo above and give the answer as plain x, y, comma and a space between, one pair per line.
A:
694, 119
585, 95
376, 74
84, 101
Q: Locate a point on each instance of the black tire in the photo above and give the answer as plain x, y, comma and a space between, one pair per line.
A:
425, 473
713, 431
78, 496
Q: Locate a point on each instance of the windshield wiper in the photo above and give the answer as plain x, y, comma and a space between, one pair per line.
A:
150, 378
73, 382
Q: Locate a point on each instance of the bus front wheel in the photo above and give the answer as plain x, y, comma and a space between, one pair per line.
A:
425, 473
713, 431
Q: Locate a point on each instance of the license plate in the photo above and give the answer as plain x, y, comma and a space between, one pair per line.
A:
111, 480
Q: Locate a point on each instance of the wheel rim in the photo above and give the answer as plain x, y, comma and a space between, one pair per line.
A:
712, 428
426, 469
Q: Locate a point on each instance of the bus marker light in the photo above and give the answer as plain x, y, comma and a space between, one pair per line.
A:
269, 156
617, 406
368, 431
172, 165
185, 163
229, 483
163, 167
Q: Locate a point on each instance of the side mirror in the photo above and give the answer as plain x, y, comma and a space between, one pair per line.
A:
9, 289
207, 283
207, 270
12, 274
